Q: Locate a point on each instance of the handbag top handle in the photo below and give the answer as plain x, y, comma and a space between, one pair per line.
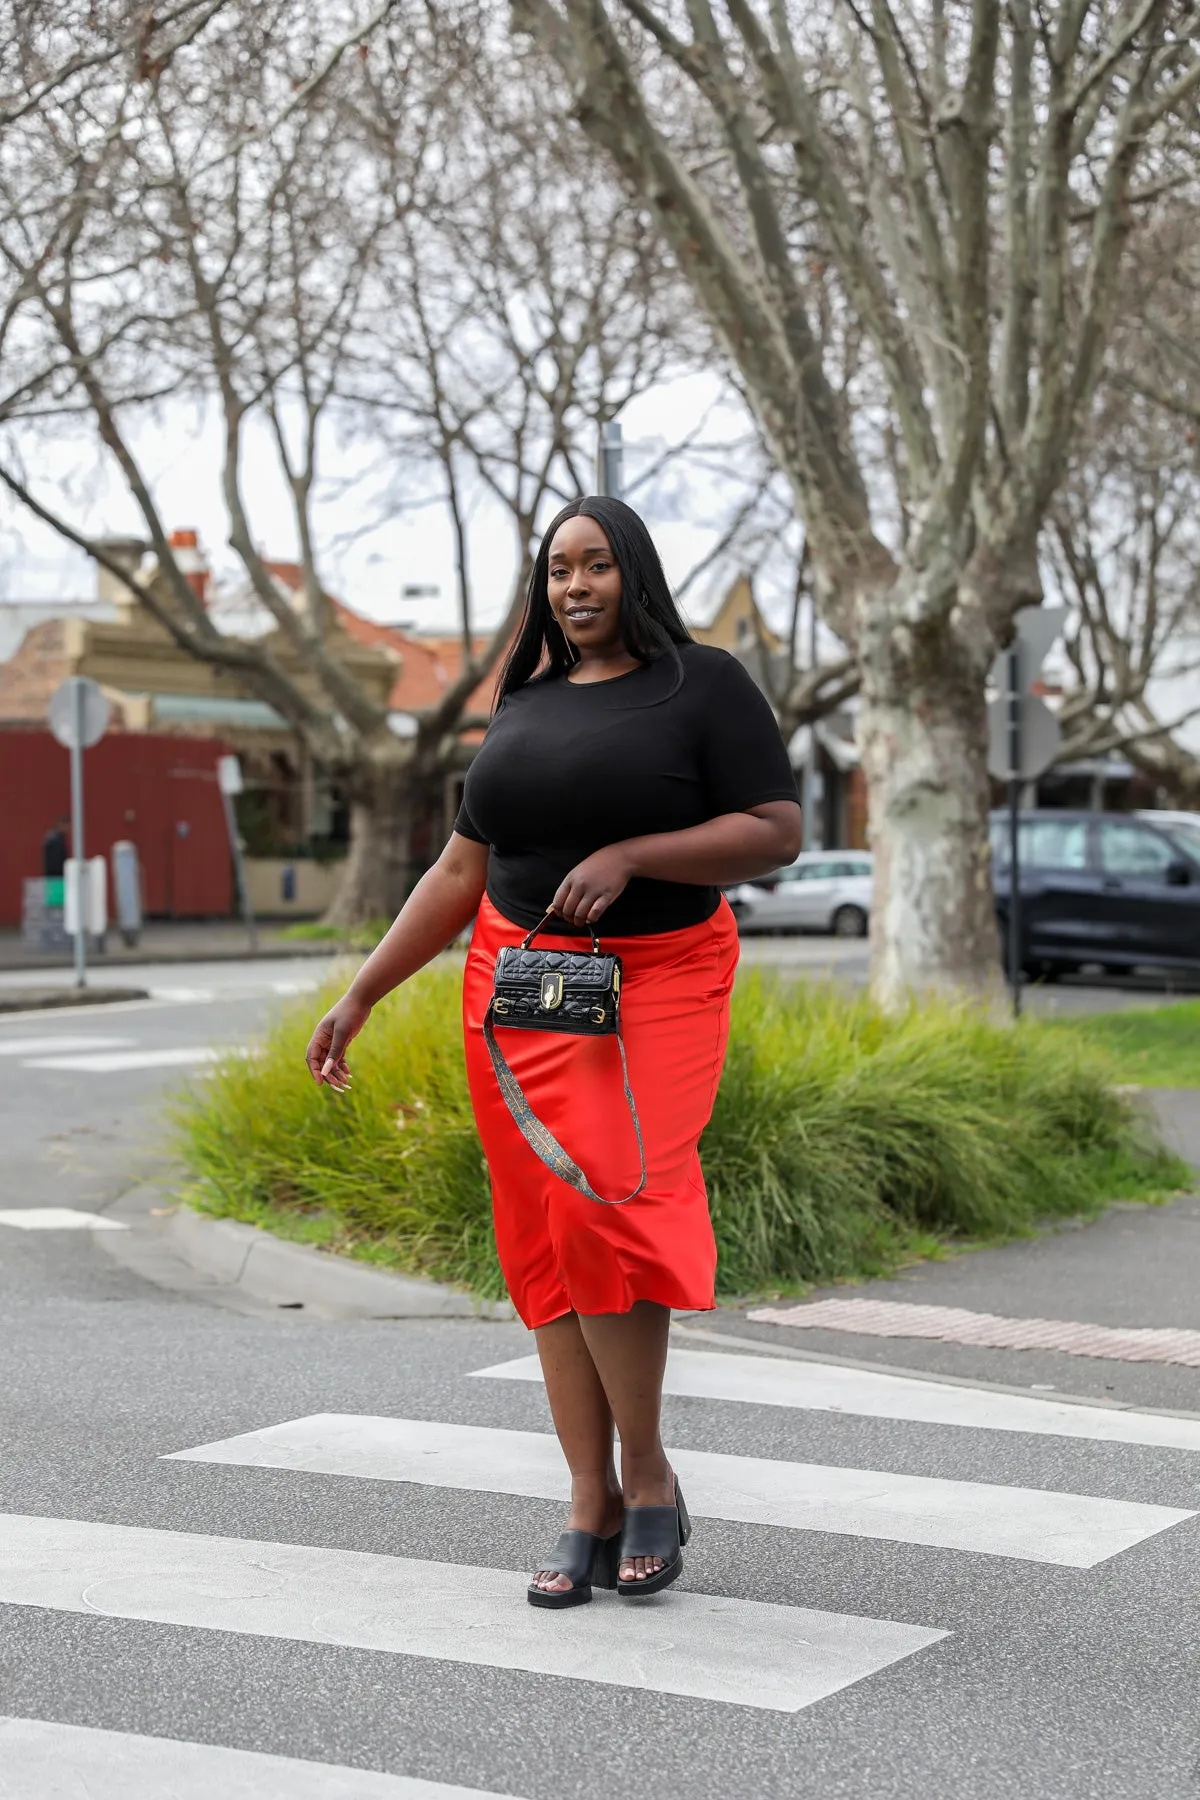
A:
543, 925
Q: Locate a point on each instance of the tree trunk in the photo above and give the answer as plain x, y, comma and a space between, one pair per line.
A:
379, 872
923, 739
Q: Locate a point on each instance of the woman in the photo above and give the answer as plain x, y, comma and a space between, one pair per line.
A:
627, 775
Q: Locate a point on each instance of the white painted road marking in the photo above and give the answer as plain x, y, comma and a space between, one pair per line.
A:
828, 1387
37, 1046
1073, 1530
116, 1061
747, 1652
56, 1218
42, 1760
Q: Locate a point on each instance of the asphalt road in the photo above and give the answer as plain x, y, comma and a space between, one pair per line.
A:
326, 1596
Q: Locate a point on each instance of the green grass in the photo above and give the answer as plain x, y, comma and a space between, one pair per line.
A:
843, 1143
1152, 1046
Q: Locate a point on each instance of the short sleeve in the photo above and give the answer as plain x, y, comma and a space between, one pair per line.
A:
744, 756
466, 826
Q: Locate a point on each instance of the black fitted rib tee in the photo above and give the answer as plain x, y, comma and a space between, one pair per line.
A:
566, 769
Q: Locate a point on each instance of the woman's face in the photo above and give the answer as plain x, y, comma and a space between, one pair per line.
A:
584, 585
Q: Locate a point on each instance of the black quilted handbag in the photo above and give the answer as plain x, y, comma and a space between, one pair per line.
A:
578, 991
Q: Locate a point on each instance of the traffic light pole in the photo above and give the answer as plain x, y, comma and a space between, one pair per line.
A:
1014, 826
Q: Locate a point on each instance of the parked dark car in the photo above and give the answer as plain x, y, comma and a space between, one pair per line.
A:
1100, 888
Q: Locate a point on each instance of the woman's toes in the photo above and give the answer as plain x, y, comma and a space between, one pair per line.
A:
639, 1568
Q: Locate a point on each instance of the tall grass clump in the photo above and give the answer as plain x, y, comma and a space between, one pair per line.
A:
392, 1169
842, 1141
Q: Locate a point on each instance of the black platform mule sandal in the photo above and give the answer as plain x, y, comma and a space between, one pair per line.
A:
586, 1560
655, 1531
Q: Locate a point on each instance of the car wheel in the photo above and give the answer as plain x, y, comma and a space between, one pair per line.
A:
850, 922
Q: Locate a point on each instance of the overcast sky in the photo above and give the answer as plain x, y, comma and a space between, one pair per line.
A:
369, 551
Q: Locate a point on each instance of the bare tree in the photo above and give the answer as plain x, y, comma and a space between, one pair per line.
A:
311, 240
1124, 553
936, 201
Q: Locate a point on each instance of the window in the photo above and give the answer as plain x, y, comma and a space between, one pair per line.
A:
846, 870
1186, 835
1128, 850
817, 871
1054, 843
1045, 843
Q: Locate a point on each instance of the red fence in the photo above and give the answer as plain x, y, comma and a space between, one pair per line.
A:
160, 792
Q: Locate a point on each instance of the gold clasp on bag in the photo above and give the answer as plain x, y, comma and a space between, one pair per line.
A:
552, 992
499, 1007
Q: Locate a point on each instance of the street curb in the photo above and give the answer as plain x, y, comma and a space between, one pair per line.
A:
14, 1000
295, 1275
219, 954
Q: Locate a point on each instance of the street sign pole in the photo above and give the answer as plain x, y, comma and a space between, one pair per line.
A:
81, 894
1023, 739
78, 717
1014, 827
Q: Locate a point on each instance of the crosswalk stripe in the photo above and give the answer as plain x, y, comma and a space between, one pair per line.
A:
45, 1046
43, 1760
117, 1061
831, 1387
1073, 1530
747, 1652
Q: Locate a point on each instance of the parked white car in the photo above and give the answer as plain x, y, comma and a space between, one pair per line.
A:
823, 890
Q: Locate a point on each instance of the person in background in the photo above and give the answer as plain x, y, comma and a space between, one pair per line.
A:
55, 850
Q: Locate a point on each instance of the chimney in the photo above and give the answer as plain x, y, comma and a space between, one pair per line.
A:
185, 545
128, 551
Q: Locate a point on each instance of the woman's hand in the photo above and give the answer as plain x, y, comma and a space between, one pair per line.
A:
326, 1053
592, 886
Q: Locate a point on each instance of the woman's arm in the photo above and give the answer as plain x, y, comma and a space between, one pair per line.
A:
732, 847
442, 904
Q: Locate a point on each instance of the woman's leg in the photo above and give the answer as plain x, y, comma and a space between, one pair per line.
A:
584, 1423
629, 1350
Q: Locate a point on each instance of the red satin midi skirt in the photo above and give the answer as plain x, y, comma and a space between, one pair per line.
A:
561, 1252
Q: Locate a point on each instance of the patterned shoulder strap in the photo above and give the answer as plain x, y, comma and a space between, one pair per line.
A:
540, 1138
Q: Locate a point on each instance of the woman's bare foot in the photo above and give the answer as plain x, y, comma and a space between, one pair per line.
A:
647, 1483
596, 1507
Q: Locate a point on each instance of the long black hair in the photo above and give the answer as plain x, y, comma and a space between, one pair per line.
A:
650, 621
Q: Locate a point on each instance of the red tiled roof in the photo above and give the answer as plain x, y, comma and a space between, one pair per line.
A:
428, 667
428, 664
